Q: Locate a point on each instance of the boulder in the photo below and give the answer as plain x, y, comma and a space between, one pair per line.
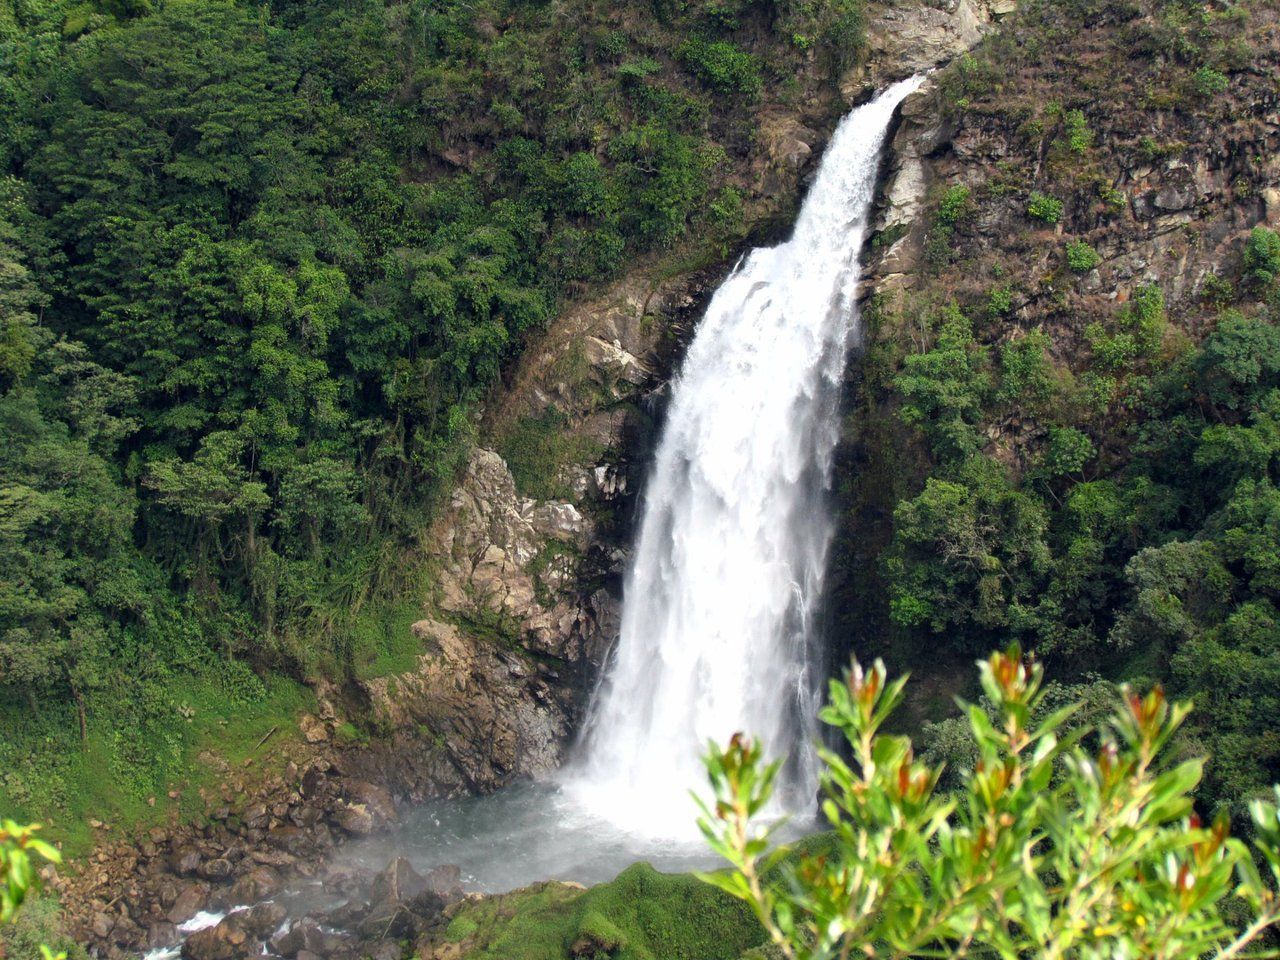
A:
216, 869
313, 729
390, 919
256, 816
354, 818
306, 937
397, 883
161, 935
376, 799
185, 861
102, 925
258, 884
263, 919
382, 950
445, 880
227, 940
189, 901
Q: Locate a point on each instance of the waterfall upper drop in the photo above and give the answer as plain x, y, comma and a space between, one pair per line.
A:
717, 623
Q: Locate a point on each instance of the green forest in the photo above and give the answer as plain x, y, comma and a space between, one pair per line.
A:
262, 264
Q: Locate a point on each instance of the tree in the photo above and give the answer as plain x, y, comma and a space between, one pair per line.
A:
1062, 841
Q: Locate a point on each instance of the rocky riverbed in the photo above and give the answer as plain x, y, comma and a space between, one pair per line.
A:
342, 915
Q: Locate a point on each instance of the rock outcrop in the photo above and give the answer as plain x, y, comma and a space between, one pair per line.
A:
489, 710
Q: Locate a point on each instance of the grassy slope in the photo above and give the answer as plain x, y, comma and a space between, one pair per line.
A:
227, 715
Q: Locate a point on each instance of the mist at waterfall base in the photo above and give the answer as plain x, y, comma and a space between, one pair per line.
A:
717, 626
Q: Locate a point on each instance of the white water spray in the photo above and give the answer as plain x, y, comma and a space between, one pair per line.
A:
717, 624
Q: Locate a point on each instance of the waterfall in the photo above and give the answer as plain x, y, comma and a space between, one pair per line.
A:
717, 628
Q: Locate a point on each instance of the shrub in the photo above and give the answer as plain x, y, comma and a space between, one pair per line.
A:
1081, 257
1262, 258
1059, 843
1043, 207
1207, 82
955, 206
721, 65
999, 301
1067, 451
1077, 131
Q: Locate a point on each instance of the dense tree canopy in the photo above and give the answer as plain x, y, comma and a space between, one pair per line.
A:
259, 266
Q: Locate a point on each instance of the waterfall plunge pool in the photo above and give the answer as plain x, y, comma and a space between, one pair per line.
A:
527, 833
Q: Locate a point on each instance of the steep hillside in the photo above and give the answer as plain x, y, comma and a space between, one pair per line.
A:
1061, 433
262, 265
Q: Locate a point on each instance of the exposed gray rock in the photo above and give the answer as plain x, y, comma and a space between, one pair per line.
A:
492, 715
910, 38
258, 884
924, 128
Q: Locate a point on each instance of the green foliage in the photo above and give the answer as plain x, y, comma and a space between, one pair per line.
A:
954, 208
966, 550
1026, 373
1066, 452
19, 848
835, 27
641, 915
999, 302
1076, 129
1161, 564
1081, 258
1059, 842
1262, 258
1208, 82
1044, 208
943, 387
722, 66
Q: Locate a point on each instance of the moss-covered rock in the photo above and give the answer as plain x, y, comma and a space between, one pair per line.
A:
641, 915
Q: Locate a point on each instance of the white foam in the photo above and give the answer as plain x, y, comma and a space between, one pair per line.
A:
717, 628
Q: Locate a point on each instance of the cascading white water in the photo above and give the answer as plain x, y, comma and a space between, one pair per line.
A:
718, 604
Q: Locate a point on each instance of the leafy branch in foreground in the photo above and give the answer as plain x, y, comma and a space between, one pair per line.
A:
1062, 843
18, 875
